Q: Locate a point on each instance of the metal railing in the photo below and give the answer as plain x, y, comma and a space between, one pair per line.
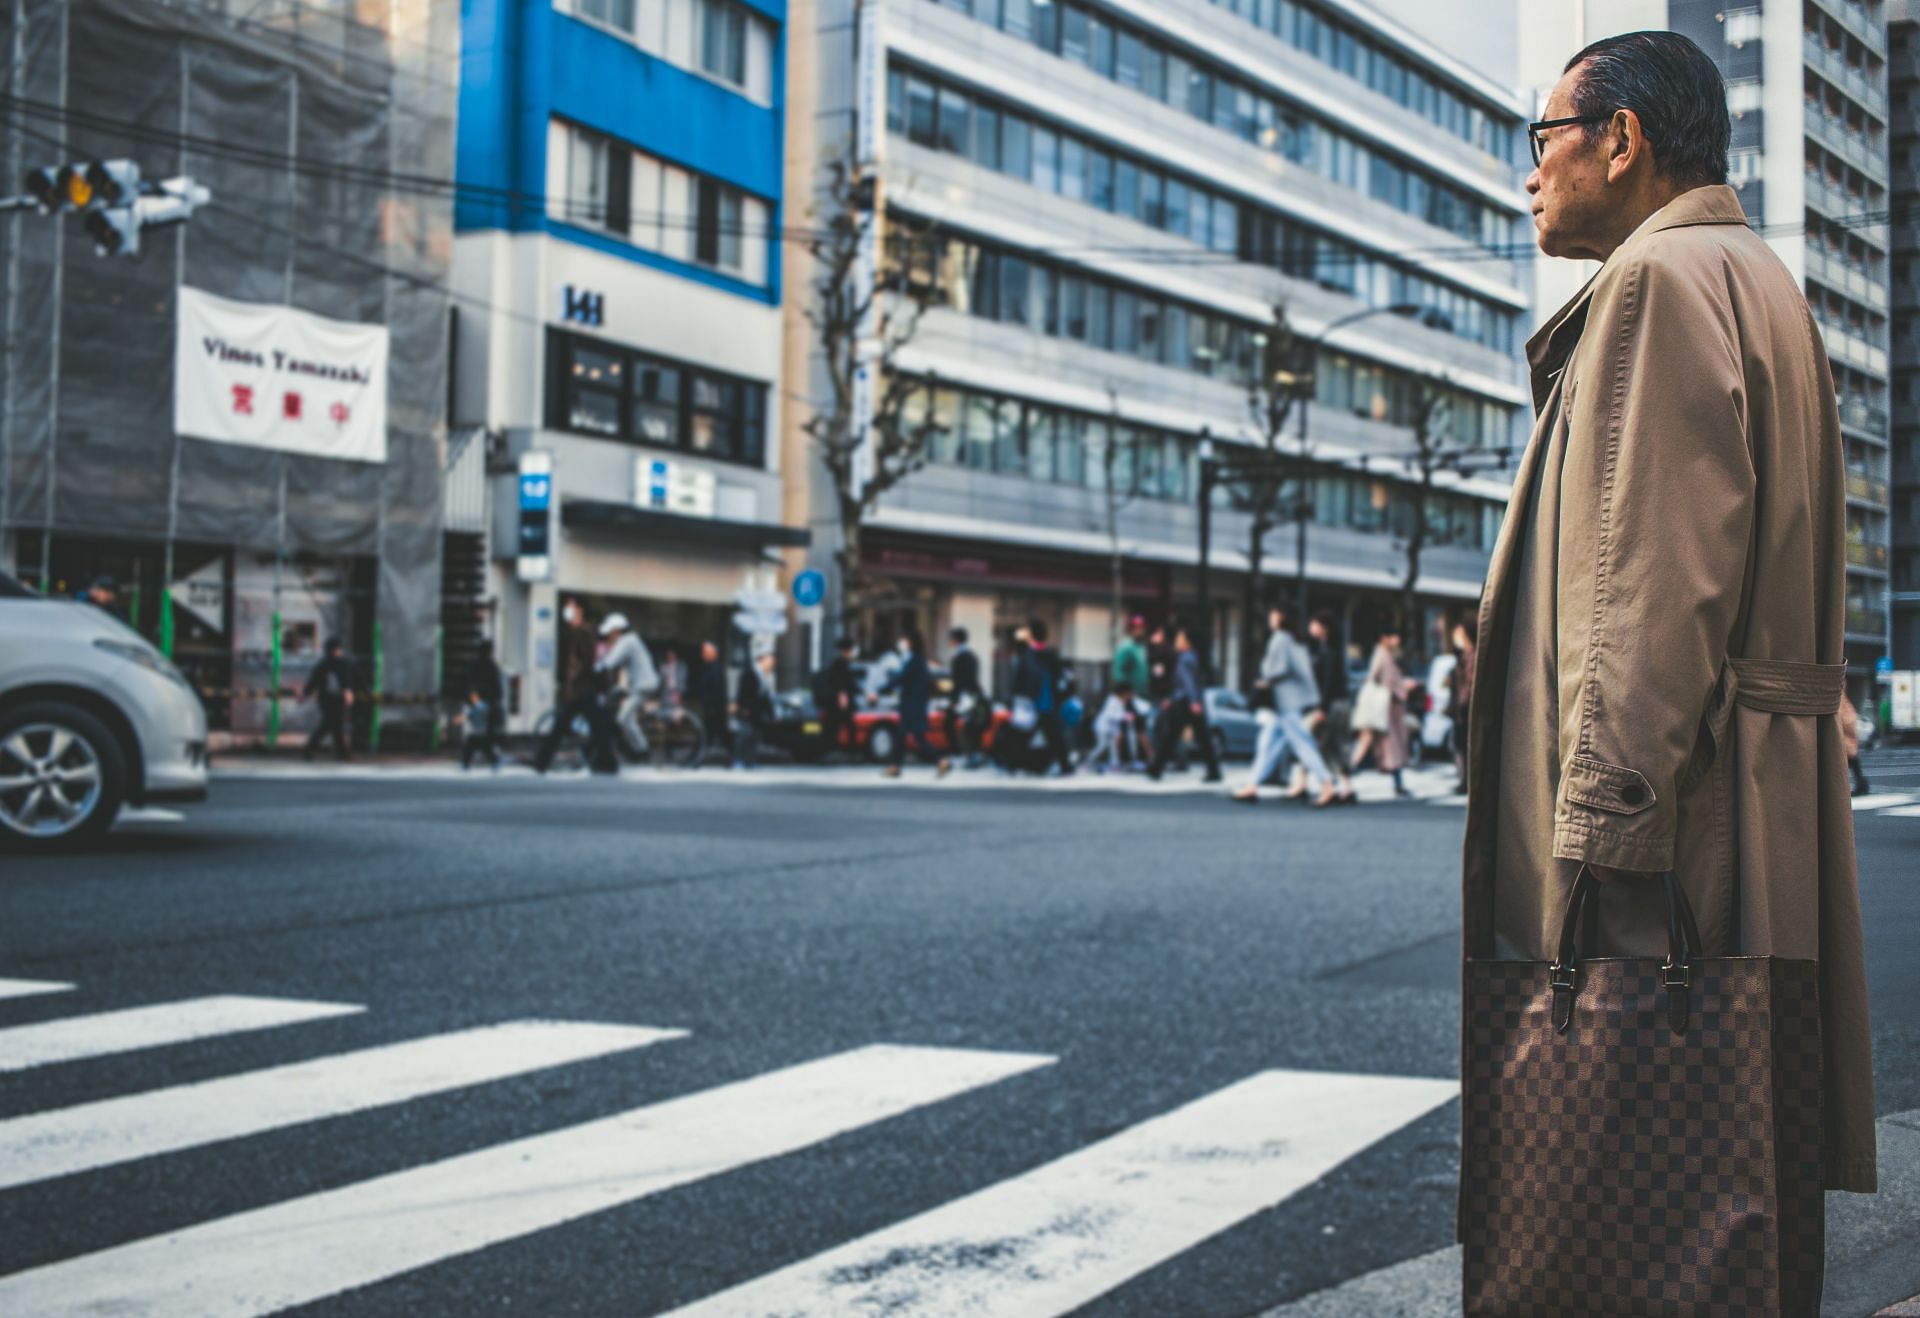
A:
1843, 276
1869, 420
1855, 18
1863, 485
1849, 78
1867, 553
1850, 144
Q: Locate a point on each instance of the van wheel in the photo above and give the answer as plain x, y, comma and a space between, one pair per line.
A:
63, 776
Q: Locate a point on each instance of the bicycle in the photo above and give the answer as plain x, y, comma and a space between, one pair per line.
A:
673, 737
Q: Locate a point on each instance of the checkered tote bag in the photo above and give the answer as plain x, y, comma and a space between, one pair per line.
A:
1642, 1136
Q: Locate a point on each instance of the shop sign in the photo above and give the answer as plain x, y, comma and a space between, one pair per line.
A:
203, 593
672, 487
269, 376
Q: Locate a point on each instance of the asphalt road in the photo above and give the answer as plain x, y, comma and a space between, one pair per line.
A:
1068, 964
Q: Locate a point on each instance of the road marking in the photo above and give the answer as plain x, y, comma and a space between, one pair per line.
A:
92, 1135
308, 1248
27, 1046
1904, 812
152, 814
1878, 800
1061, 1235
30, 988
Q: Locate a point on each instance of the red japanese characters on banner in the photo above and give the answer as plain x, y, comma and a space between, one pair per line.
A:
279, 378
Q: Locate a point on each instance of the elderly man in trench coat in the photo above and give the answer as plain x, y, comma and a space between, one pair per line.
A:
1660, 632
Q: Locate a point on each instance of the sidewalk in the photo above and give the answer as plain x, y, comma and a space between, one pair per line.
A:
1871, 1262
1431, 785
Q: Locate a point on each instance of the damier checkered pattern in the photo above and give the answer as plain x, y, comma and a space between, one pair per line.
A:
1621, 1169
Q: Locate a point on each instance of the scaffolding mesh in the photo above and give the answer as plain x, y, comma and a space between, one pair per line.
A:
293, 115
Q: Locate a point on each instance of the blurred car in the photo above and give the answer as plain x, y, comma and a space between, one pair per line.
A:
1235, 724
800, 731
92, 718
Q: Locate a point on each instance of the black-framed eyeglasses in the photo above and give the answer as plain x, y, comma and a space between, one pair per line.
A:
1534, 128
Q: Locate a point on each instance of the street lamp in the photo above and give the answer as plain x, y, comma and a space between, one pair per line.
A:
1310, 353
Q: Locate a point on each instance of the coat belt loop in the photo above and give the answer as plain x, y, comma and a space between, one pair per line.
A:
1785, 686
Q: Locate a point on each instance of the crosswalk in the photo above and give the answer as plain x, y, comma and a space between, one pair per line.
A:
1045, 1241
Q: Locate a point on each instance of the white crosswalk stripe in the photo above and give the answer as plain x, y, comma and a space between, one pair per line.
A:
27, 1046
28, 988
93, 1135
308, 1248
1050, 1241
1881, 800
1041, 1243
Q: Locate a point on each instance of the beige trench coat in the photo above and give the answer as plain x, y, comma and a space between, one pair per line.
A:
1693, 666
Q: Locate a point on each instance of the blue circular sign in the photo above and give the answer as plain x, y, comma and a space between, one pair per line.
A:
809, 588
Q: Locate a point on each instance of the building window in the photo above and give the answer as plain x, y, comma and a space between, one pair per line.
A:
611, 392
660, 206
614, 13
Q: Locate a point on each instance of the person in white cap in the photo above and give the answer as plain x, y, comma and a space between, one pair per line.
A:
627, 657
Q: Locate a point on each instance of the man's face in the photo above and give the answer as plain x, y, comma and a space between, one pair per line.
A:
1569, 186
709, 652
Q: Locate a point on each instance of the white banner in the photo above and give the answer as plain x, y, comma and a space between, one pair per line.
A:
273, 377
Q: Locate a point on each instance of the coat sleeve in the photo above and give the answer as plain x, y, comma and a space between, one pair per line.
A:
1657, 509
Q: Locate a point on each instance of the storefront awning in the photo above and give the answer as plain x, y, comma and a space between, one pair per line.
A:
626, 519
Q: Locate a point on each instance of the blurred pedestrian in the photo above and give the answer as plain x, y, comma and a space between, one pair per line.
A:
1460, 692
710, 695
629, 674
1286, 671
579, 697
673, 680
485, 711
330, 683
914, 682
1331, 723
1185, 708
1048, 688
1013, 743
1381, 714
838, 698
1130, 657
753, 710
968, 710
1850, 741
1119, 731
104, 594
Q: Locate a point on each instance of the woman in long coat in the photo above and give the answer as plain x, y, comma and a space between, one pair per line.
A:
1392, 748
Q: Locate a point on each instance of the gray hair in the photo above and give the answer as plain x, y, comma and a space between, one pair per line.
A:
1675, 89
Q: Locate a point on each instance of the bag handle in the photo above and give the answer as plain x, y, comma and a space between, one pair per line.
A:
1676, 972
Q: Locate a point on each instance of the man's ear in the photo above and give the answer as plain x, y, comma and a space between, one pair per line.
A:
1626, 143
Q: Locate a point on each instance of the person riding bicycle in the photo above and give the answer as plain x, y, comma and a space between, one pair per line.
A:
627, 657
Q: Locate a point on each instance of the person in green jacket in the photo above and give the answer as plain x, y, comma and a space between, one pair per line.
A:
1130, 659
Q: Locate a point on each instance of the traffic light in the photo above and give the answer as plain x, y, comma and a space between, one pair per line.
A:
58, 187
116, 231
111, 183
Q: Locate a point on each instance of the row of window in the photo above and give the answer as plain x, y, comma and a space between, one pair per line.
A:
942, 116
1133, 57
987, 432
720, 38
611, 392
1354, 53
661, 207
980, 279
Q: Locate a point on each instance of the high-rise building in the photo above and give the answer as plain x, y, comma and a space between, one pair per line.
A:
1903, 68
618, 338
1807, 88
244, 427
1109, 202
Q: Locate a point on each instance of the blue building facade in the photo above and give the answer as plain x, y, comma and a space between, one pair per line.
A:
617, 249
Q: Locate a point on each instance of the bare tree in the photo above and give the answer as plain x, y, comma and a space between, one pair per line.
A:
1268, 493
886, 311
1430, 403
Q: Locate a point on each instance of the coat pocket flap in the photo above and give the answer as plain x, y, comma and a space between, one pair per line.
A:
1607, 786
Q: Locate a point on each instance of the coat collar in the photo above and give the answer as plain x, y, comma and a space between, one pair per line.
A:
1549, 348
